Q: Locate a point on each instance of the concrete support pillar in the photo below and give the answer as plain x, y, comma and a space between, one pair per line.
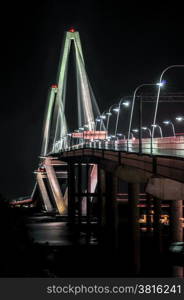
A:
133, 196
116, 212
157, 225
176, 214
71, 192
66, 197
79, 191
44, 194
101, 198
111, 191
88, 185
93, 175
107, 207
55, 187
176, 231
88, 202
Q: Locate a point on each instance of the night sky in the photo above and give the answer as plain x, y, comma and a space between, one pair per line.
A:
123, 45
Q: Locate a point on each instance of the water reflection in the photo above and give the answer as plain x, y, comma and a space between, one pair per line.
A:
60, 234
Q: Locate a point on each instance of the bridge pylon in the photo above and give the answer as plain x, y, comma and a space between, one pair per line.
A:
55, 123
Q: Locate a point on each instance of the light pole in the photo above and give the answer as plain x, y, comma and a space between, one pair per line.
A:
160, 129
121, 134
102, 117
140, 114
135, 130
118, 109
148, 129
158, 93
151, 140
132, 136
179, 119
86, 126
108, 116
98, 120
172, 125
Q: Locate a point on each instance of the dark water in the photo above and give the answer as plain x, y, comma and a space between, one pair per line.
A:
47, 246
65, 250
79, 251
74, 251
58, 234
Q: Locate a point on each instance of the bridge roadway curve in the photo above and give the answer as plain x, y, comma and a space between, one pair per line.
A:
130, 166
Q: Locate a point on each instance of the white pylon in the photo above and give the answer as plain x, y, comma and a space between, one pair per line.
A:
47, 127
55, 117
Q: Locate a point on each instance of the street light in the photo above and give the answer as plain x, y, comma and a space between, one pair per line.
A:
132, 136
135, 130
160, 129
140, 113
110, 137
158, 93
179, 119
102, 117
121, 134
118, 109
172, 125
108, 116
151, 140
148, 129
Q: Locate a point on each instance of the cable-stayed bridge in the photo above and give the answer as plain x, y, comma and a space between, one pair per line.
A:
81, 170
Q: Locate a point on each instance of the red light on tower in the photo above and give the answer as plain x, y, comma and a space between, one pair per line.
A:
54, 86
72, 30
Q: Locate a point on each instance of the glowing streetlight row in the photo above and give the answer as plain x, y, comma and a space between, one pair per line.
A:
107, 114
116, 108
159, 84
149, 130
166, 122
158, 93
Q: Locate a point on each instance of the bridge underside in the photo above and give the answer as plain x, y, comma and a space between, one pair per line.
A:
85, 186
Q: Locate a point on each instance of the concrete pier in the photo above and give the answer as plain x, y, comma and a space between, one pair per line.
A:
133, 197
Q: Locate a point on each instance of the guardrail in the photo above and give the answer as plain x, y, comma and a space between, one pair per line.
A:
169, 146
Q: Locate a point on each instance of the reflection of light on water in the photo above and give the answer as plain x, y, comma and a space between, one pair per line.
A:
177, 247
89, 238
93, 240
59, 234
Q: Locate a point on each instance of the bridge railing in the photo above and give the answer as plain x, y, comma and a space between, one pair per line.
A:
172, 146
